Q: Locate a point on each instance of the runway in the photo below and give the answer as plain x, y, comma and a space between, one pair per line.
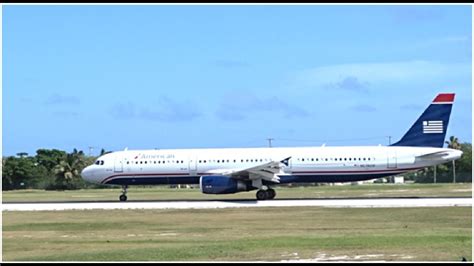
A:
325, 203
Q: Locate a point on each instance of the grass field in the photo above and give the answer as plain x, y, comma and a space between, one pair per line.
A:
264, 234
166, 193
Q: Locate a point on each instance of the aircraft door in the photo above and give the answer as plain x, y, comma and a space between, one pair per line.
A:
118, 165
391, 159
192, 166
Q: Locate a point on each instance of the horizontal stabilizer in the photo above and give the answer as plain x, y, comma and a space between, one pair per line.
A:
437, 154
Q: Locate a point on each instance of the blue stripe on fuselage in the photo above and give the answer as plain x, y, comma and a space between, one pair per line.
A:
174, 180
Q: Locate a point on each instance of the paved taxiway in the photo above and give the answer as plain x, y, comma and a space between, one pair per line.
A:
327, 203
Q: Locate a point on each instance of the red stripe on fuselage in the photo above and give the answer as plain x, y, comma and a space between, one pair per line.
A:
292, 173
356, 171
151, 174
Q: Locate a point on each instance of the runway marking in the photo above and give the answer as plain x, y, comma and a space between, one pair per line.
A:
325, 203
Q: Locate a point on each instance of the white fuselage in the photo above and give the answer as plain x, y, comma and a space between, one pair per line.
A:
307, 164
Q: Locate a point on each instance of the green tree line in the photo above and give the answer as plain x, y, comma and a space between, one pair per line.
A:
53, 169
457, 171
49, 169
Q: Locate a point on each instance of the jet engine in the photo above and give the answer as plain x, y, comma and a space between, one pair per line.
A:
218, 184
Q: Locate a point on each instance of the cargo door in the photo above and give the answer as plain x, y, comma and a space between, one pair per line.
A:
391, 158
192, 166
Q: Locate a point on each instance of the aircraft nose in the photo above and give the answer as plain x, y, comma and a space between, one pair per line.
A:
87, 174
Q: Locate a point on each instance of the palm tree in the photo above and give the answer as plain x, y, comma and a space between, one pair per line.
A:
69, 168
453, 143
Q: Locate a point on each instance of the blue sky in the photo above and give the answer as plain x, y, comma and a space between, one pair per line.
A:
147, 77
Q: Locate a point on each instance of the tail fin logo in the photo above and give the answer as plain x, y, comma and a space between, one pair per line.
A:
430, 127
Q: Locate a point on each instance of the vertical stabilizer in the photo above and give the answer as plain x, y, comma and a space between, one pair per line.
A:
430, 128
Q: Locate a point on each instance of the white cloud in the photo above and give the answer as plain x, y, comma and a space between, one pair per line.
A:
442, 41
383, 73
237, 106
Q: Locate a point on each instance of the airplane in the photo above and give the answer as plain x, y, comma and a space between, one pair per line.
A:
233, 170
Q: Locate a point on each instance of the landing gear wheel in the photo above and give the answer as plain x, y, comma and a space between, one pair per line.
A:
265, 194
123, 198
262, 195
271, 193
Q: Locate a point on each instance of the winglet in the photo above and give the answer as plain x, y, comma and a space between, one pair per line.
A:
285, 161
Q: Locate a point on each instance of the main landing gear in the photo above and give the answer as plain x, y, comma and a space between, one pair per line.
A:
123, 197
266, 194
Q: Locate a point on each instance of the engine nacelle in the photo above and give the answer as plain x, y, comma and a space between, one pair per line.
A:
218, 184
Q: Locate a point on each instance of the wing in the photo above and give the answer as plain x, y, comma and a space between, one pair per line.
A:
267, 171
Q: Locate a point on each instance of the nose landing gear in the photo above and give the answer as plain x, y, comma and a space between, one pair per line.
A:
123, 197
266, 194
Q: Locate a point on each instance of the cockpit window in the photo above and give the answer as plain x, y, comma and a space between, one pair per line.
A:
99, 162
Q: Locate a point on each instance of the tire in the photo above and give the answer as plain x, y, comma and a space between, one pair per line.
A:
261, 195
271, 193
123, 198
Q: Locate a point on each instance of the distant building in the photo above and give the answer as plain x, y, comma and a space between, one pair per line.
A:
398, 179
